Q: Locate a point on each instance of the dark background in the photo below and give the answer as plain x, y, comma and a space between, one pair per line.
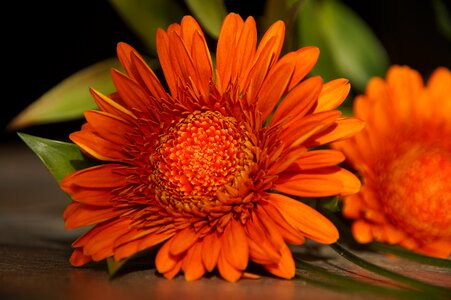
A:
46, 42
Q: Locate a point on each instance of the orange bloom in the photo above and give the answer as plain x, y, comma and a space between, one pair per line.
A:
404, 158
204, 169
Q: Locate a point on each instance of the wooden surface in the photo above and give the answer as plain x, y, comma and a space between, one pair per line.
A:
35, 247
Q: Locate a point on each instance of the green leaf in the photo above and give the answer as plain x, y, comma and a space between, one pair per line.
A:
404, 253
442, 18
327, 279
210, 14
114, 266
356, 51
60, 158
144, 17
70, 98
348, 46
310, 34
416, 284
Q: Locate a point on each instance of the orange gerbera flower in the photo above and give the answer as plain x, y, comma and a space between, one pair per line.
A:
404, 157
202, 169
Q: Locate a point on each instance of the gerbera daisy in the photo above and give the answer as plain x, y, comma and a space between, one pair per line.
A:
204, 169
404, 158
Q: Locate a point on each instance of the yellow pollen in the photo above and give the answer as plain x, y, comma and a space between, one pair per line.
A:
417, 194
198, 155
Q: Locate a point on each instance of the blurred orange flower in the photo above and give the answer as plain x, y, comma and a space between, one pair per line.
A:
201, 169
404, 158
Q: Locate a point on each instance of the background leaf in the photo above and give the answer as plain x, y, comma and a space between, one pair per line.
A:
59, 157
144, 17
348, 46
70, 98
210, 14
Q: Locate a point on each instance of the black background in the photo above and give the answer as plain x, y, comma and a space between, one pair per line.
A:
47, 41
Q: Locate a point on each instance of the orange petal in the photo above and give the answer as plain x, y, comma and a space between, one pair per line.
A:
333, 94
285, 268
353, 206
321, 182
108, 105
361, 231
109, 126
90, 196
297, 133
226, 48
226, 269
343, 129
174, 271
261, 249
287, 231
234, 245
274, 86
245, 51
305, 219
275, 32
165, 60
296, 104
128, 249
78, 215
78, 259
182, 241
440, 248
317, 159
103, 176
202, 61
97, 146
210, 250
305, 60
192, 263
164, 260
148, 77
133, 95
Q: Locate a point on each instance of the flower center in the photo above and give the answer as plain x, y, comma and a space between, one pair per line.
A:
418, 193
197, 156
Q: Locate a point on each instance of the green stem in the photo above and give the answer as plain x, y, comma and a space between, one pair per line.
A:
348, 284
416, 284
401, 252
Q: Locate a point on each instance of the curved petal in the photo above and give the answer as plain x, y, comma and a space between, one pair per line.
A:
317, 159
192, 263
78, 215
164, 260
227, 270
234, 245
103, 176
333, 94
183, 240
304, 218
78, 259
210, 251
285, 268
322, 182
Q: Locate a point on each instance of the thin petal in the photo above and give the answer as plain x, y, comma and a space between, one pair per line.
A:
322, 182
103, 176
210, 251
108, 105
274, 86
77, 215
333, 94
317, 159
306, 59
78, 259
165, 261
182, 241
235, 246
227, 270
285, 268
361, 231
133, 95
192, 263
304, 218
299, 101
343, 129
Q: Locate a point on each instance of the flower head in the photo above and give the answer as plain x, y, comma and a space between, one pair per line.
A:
404, 158
203, 169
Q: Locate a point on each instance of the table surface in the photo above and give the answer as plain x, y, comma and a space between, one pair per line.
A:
35, 247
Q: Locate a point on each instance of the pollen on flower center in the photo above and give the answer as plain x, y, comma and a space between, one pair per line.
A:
418, 193
198, 155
